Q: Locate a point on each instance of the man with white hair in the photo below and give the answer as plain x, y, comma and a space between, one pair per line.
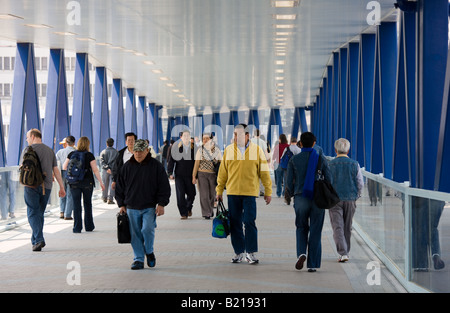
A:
347, 180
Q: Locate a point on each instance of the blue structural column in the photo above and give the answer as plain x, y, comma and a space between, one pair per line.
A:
404, 155
141, 119
384, 99
253, 118
432, 47
130, 111
442, 178
342, 106
299, 122
100, 119
2, 140
327, 115
24, 102
152, 122
57, 107
367, 70
352, 96
117, 116
159, 126
275, 126
81, 113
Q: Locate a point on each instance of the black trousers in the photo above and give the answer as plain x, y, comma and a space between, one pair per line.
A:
185, 194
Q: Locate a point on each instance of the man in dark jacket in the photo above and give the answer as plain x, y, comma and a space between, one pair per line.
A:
142, 191
181, 163
123, 156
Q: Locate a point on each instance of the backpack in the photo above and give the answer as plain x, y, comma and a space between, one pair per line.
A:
30, 172
285, 158
76, 169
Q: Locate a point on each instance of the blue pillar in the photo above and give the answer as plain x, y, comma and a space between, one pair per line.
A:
367, 68
401, 163
130, 111
328, 120
442, 180
57, 106
275, 126
159, 126
342, 107
185, 120
352, 97
253, 118
2, 140
152, 122
24, 102
100, 119
335, 101
432, 47
303, 123
141, 119
117, 116
81, 113
384, 98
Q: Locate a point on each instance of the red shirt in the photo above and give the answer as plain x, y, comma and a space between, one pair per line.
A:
279, 149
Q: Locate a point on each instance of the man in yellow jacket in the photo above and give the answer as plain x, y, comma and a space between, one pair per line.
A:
243, 164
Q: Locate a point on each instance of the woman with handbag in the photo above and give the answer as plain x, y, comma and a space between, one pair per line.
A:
207, 162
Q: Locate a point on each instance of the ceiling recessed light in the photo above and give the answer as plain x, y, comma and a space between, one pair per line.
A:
65, 33
279, 71
285, 16
176, 90
285, 26
149, 62
281, 54
103, 44
85, 39
170, 85
280, 62
10, 17
285, 4
157, 71
164, 78
279, 78
281, 39
37, 25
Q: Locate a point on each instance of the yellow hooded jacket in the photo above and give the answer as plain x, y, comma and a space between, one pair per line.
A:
241, 173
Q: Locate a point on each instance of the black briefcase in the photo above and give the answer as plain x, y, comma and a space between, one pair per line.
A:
123, 228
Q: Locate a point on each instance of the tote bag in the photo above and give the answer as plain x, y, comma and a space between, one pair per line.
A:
325, 197
221, 223
123, 228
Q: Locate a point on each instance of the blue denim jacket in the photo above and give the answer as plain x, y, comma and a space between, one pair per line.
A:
296, 172
344, 173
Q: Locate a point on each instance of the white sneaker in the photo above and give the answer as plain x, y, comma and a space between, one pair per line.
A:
251, 258
343, 258
237, 258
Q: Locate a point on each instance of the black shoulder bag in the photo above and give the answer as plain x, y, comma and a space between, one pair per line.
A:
325, 197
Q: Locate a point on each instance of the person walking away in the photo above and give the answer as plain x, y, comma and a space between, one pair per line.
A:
243, 165
207, 157
124, 155
278, 170
180, 167
308, 217
143, 190
36, 197
288, 153
107, 158
65, 203
85, 187
348, 182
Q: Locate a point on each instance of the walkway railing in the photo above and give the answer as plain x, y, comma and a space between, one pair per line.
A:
408, 229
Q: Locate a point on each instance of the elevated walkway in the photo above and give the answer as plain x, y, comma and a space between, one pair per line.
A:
189, 260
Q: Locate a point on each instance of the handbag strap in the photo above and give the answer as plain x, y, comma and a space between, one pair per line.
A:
319, 175
221, 207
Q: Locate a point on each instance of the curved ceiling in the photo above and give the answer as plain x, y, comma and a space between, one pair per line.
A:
215, 54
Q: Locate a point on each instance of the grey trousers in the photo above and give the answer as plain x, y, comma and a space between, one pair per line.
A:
341, 217
207, 183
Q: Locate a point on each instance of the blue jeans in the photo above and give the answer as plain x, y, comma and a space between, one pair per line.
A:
142, 228
36, 203
66, 203
243, 210
86, 192
279, 179
309, 222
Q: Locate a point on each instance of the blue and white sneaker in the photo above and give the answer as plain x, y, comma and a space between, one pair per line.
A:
237, 258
